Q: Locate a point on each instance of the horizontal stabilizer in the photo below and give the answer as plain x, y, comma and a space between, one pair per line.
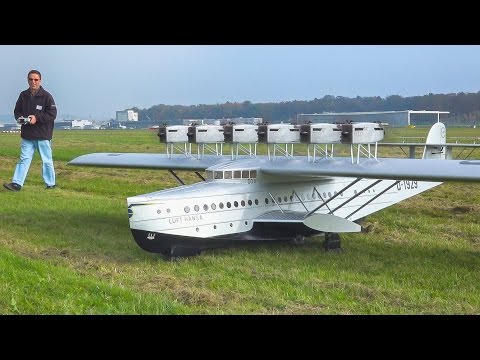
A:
331, 223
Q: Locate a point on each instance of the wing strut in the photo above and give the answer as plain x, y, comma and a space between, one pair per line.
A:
199, 175
301, 202
372, 199
355, 196
333, 197
468, 155
273, 199
411, 154
321, 197
181, 181
176, 177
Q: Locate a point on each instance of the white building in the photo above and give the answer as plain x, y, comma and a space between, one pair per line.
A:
81, 124
127, 115
393, 118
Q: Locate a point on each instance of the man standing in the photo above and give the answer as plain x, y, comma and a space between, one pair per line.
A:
36, 111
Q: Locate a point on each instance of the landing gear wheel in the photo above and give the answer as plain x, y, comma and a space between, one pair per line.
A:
332, 242
298, 240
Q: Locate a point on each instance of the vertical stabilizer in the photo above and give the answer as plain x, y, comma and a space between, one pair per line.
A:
436, 136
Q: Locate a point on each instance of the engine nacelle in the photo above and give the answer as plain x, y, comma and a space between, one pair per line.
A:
173, 134
205, 134
278, 133
320, 133
361, 133
240, 133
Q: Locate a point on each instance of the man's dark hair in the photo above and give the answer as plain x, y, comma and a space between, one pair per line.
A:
35, 72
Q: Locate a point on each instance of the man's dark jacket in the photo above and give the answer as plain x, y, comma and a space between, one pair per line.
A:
43, 107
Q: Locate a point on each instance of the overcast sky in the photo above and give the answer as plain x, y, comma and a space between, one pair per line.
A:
94, 81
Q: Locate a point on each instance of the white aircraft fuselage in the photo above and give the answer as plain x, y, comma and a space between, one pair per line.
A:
218, 211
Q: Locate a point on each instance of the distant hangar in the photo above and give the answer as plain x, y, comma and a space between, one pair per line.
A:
392, 118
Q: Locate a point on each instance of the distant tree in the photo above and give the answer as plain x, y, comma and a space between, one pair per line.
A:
463, 107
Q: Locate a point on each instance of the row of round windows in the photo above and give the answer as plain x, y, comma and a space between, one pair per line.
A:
244, 203
279, 200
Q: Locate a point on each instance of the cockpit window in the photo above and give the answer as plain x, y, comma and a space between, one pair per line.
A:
229, 174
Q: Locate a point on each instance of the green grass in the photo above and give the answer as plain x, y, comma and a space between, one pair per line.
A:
70, 251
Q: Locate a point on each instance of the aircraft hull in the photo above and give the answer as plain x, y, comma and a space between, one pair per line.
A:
163, 243
218, 214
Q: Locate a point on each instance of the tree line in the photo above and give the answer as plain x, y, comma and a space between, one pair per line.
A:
464, 108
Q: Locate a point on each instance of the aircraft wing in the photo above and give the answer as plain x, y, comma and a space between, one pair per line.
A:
148, 161
384, 168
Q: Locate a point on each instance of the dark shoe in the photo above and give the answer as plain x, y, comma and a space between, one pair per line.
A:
50, 187
12, 186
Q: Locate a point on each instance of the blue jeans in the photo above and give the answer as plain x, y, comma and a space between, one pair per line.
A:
28, 147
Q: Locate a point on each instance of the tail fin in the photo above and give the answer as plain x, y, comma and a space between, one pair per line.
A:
437, 135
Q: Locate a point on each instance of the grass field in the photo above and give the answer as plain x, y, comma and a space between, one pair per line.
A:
70, 251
